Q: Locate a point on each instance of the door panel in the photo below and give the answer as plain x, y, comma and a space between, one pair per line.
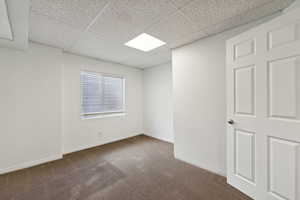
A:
283, 35
263, 100
283, 75
283, 162
245, 155
244, 49
244, 90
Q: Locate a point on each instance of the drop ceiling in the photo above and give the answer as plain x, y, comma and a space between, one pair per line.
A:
99, 28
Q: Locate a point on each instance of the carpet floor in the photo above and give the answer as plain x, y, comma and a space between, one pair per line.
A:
138, 168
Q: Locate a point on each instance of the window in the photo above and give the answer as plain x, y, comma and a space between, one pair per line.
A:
101, 94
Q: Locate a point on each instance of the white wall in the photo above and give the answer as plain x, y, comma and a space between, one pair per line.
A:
30, 105
40, 104
158, 106
80, 134
199, 101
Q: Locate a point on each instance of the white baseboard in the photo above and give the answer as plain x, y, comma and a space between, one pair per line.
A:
159, 138
30, 164
83, 147
195, 163
56, 157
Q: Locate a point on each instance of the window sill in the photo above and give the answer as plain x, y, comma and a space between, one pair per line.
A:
100, 116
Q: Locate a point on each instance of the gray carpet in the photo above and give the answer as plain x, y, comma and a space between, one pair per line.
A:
139, 168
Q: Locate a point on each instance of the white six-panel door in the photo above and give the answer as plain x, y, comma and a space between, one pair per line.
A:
263, 102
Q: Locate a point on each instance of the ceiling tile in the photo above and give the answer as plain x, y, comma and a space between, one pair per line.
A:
78, 13
157, 7
118, 23
206, 12
246, 17
188, 39
50, 32
180, 3
249, 16
125, 19
61, 23
172, 29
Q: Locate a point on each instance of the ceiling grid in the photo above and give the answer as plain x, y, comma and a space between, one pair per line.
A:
100, 28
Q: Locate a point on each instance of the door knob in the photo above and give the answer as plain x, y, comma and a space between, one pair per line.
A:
230, 121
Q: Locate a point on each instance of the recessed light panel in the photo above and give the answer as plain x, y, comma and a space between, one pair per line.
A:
5, 29
145, 42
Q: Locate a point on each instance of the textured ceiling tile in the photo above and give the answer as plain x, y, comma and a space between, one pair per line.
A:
180, 3
252, 15
208, 12
122, 20
265, 10
157, 8
188, 39
78, 13
118, 23
128, 18
50, 32
172, 29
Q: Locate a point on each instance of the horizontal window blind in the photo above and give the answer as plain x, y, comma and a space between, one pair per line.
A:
101, 93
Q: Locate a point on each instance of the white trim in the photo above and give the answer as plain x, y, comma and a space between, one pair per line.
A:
30, 164
104, 113
100, 116
87, 146
159, 138
195, 163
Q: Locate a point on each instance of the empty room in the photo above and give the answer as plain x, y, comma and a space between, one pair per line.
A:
150, 99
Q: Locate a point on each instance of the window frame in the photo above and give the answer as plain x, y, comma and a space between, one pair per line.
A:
107, 113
